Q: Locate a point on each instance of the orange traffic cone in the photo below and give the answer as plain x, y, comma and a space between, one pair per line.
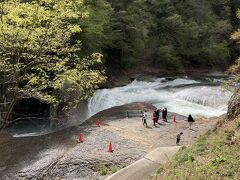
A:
110, 147
80, 140
174, 119
98, 123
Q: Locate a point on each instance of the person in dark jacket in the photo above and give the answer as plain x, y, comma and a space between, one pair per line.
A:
158, 115
154, 118
190, 121
179, 138
164, 114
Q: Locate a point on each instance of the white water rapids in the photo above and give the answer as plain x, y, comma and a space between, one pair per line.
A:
182, 95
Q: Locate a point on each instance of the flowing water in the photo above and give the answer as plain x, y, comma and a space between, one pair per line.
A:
202, 97
199, 97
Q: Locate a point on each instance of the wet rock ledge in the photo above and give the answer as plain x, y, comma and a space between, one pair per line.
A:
59, 156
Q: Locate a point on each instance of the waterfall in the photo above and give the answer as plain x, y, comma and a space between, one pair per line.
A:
205, 95
182, 95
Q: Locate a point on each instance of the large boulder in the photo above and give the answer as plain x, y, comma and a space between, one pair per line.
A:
234, 105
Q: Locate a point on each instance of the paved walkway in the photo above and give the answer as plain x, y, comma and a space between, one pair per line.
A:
145, 167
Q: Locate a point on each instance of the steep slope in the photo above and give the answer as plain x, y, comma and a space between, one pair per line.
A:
215, 155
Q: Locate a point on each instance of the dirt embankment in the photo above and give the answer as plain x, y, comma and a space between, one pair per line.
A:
59, 156
214, 155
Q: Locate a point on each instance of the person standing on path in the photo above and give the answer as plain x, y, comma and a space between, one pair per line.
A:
179, 138
190, 121
164, 114
144, 118
154, 118
158, 115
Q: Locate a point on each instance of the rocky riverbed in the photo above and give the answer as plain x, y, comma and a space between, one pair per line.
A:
59, 156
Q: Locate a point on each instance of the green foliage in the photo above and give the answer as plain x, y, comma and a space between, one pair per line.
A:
218, 160
96, 29
40, 55
104, 168
215, 54
50, 48
234, 70
201, 145
183, 157
194, 30
168, 34
215, 155
113, 170
104, 171
130, 23
167, 59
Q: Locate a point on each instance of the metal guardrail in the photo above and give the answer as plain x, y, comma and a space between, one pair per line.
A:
134, 113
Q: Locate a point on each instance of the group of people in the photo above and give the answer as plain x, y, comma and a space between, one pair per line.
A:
156, 116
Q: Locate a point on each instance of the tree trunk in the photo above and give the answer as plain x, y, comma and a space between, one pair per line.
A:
8, 113
11, 105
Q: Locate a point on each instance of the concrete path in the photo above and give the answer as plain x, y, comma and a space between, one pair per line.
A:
145, 167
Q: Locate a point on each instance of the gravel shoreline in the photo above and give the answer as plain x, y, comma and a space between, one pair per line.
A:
59, 156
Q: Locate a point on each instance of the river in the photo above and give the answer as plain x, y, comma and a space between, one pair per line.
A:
200, 97
183, 95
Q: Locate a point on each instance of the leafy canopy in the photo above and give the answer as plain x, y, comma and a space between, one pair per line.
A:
234, 70
39, 55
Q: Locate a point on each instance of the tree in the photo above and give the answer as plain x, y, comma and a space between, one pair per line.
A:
130, 24
96, 29
193, 31
234, 70
167, 59
38, 56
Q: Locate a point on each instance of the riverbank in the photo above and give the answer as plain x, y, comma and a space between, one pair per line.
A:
59, 156
124, 77
214, 154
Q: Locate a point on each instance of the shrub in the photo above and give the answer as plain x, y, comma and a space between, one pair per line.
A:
218, 160
167, 58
